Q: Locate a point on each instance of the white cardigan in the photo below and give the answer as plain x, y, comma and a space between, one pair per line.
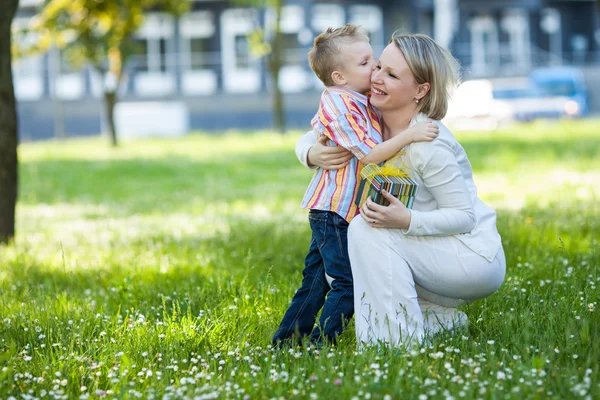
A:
446, 202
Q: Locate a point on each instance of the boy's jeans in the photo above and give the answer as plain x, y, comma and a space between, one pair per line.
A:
328, 254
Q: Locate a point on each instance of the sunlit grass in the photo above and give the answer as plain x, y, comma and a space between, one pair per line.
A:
164, 266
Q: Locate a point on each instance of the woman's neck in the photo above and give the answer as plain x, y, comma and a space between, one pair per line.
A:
396, 121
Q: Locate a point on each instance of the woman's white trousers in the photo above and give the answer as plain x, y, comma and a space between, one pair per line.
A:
406, 287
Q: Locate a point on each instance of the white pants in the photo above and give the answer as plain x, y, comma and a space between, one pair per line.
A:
396, 276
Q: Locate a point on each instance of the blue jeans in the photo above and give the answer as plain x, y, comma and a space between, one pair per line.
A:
328, 254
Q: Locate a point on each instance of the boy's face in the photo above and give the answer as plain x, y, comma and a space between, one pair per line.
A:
358, 64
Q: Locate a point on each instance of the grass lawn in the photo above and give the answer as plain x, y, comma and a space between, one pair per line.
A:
162, 268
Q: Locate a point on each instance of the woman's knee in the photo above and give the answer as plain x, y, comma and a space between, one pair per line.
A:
361, 234
356, 230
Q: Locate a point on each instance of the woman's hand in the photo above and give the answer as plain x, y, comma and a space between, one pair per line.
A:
328, 157
395, 215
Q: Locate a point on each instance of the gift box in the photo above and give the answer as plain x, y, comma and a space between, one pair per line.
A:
374, 179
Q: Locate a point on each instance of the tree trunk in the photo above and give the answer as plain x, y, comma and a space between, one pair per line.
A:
8, 126
275, 66
110, 99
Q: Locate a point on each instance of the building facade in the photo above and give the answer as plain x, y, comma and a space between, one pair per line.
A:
202, 62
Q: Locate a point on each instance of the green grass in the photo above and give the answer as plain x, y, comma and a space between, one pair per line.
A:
162, 268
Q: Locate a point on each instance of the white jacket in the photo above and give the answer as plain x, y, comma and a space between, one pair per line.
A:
446, 202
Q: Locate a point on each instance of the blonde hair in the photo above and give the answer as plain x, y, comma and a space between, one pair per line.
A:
324, 57
429, 63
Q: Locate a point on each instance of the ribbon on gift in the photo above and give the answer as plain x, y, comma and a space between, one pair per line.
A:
390, 168
397, 161
371, 183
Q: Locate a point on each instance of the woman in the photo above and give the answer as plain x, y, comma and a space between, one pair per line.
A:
412, 267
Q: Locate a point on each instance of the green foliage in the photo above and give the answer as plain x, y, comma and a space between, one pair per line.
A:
95, 32
163, 268
98, 32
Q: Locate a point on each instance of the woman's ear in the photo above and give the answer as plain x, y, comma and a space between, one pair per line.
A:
422, 90
338, 78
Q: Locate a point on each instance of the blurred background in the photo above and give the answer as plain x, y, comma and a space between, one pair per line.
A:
200, 69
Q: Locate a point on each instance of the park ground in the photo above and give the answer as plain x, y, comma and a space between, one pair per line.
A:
161, 269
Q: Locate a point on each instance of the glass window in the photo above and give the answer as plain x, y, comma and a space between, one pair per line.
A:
199, 48
162, 43
140, 55
293, 53
556, 88
242, 51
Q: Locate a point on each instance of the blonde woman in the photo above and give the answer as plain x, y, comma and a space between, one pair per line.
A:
412, 267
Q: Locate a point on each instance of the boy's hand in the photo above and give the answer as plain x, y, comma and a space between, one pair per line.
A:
328, 157
423, 131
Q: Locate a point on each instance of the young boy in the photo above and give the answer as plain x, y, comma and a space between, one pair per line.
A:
342, 59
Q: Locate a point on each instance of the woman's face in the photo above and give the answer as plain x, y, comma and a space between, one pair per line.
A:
393, 85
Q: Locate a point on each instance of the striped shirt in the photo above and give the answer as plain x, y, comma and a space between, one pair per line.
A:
348, 120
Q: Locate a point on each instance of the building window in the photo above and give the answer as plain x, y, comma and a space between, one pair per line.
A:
294, 75
242, 51
485, 51
370, 19
241, 72
163, 57
153, 63
199, 55
27, 71
326, 15
139, 58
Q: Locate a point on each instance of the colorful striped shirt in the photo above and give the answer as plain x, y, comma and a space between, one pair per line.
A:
349, 120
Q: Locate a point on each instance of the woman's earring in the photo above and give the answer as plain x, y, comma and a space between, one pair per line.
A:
417, 101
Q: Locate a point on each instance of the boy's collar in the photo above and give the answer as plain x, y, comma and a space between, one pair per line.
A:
363, 98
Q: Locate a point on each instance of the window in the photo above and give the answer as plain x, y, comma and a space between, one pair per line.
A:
154, 44
242, 51
293, 54
241, 73
163, 54
199, 57
199, 53
140, 55
154, 65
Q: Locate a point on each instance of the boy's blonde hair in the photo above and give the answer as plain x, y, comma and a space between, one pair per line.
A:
429, 62
324, 57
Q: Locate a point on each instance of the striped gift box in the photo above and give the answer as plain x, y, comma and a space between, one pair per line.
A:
373, 180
